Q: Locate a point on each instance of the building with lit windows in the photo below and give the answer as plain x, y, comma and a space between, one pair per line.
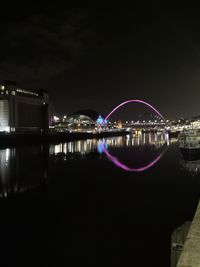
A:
22, 109
195, 124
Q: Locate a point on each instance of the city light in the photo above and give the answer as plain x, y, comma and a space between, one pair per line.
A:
100, 120
119, 164
56, 119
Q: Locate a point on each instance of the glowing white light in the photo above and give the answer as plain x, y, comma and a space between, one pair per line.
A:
7, 154
56, 118
5, 129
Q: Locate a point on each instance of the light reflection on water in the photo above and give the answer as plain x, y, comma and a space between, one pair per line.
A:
56, 196
192, 167
24, 168
118, 163
92, 145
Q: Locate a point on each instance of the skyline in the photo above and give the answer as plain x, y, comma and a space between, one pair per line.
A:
97, 57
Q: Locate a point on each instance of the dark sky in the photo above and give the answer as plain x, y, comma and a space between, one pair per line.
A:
96, 56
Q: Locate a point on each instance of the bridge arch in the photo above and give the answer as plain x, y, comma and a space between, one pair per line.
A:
136, 101
121, 165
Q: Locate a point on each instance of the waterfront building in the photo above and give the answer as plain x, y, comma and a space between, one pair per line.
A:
22, 109
119, 124
83, 121
195, 124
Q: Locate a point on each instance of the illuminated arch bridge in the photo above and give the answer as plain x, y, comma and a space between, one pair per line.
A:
115, 160
87, 119
134, 101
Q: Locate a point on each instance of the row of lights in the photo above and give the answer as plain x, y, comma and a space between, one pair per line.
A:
27, 92
19, 91
143, 121
64, 117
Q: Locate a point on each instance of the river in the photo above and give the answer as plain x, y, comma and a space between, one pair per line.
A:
99, 202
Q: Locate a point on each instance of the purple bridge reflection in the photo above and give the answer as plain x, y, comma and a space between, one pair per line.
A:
103, 149
102, 146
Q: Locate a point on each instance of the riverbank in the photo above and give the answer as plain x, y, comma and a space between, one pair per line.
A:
190, 255
29, 138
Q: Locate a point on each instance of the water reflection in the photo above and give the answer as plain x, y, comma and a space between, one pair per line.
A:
24, 168
75, 147
84, 147
192, 167
123, 166
149, 140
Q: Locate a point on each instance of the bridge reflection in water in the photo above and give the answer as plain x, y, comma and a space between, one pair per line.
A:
149, 140
24, 168
84, 147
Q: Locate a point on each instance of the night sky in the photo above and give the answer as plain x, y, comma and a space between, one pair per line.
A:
96, 56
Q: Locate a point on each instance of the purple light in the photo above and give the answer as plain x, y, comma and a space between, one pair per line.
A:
137, 101
114, 159
126, 168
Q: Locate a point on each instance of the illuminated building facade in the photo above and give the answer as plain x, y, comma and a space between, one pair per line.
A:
22, 109
83, 121
195, 124
119, 124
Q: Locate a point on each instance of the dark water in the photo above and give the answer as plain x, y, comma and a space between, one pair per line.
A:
111, 202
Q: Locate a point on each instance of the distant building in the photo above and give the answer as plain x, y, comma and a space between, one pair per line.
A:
119, 124
22, 109
195, 124
83, 121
